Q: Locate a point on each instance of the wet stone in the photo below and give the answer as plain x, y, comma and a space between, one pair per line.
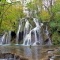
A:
9, 56
50, 51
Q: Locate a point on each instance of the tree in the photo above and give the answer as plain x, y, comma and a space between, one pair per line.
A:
34, 7
10, 16
2, 2
55, 22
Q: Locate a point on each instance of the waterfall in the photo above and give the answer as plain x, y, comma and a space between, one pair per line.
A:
37, 30
26, 28
17, 35
9, 35
17, 38
28, 36
3, 39
47, 34
8, 38
27, 39
31, 35
27, 33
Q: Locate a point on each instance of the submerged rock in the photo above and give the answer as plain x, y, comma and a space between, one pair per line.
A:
9, 56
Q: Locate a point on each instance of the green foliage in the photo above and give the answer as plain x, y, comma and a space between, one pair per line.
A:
10, 16
51, 15
30, 6
56, 7
3, 1
52, 24
45, 16
11, 13
56, 38
56, 22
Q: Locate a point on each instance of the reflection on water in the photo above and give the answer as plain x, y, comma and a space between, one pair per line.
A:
36, 53
28, 52
31, 53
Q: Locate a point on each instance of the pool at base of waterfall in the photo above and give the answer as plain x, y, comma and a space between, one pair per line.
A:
20, 52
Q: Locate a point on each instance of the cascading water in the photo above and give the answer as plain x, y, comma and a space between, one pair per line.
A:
28, 36
27, 39
8, 38
26, 28
36, 30
47, 34
3, 38
17, 35
32, 36
27, 33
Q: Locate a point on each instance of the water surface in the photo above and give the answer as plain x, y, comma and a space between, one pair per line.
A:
29, 52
